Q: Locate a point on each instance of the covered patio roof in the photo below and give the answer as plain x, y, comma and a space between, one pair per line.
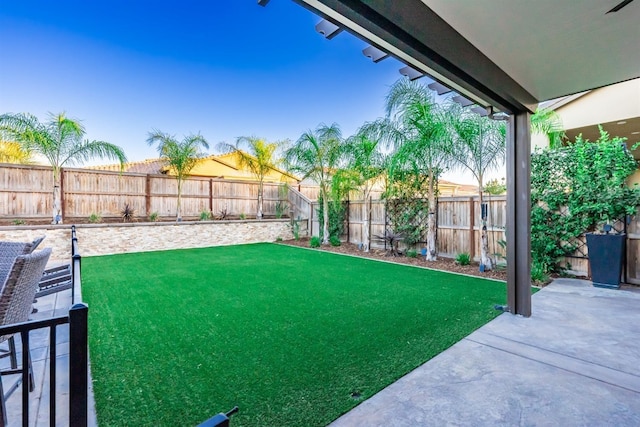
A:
504, 55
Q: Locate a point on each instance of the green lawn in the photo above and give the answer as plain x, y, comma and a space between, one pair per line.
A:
287, 334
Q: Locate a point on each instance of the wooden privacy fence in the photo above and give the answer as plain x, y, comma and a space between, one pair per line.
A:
26, 193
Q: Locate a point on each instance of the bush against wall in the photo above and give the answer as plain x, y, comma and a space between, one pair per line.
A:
576, 189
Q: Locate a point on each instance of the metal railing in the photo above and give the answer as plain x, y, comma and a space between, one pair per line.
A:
78, 363
78, 352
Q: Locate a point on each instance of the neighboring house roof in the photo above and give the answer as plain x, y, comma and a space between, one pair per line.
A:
218, 166
448, 188
150, 166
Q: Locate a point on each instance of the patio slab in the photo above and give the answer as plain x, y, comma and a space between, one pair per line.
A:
575, 362
48, 306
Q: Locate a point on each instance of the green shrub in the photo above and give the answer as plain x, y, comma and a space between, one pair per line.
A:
577, 189
205, 215
538, 273
243, 216
95, 218
18, 222
334, 241
463, 259
153, 216
314, 242
279, 239
281, 208
295, 228
412, 253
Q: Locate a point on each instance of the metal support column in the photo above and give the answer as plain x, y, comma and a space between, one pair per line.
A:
519, 214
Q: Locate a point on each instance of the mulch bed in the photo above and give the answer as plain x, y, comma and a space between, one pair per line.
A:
445, 264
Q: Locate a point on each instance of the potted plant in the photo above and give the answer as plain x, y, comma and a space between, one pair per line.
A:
603, 168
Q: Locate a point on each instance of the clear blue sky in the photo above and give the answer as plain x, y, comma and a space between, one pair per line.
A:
221, 68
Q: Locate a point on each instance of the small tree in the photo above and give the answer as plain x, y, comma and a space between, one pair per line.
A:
180, 156
315, 155
258, 156
479, 146
60, 141
416, 127
365, 164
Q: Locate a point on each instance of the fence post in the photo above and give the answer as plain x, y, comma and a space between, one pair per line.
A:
472, 226
147, 195
78, 365
211, 195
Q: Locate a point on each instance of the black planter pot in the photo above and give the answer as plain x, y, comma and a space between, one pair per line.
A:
606, 254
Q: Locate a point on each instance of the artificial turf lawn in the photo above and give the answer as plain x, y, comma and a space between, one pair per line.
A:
287, 334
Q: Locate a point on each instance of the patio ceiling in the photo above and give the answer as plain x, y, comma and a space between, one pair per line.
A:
510, 54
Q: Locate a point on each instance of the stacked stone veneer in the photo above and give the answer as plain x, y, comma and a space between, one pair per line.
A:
105, 239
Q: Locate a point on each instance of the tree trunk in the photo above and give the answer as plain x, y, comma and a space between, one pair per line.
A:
432, 253
325, 218
366, 212
179, 206
485, 259
260, 199
57, 198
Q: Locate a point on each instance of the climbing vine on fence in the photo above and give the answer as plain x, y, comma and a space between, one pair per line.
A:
337, 217
407, 206
576, 189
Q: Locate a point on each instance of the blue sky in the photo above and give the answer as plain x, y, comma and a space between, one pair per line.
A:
221, 68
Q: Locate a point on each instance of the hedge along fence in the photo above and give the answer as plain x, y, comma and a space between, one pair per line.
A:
26, 193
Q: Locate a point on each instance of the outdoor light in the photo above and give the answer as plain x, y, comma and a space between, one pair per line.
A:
412, 73
374, 53
328, 29
439, 88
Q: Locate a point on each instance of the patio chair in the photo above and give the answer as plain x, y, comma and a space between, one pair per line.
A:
9, 251
16, 297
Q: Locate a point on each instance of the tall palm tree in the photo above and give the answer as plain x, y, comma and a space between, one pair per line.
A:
416, 127
257, 155
180, 156
315, 155
60, 141
366, 162
479, 146
547, 122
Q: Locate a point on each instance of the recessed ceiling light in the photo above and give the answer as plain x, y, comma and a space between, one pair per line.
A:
622, 122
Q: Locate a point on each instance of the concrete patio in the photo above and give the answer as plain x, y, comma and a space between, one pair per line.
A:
575, 362
49, 306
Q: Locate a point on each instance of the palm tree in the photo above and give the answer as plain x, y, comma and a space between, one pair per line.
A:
60, 141
12, 152
315, 155
180, 156
479, 146
366, 163
547, 122
258, 156
416, 128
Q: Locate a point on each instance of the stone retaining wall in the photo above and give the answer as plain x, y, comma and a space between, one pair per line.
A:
105, 239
